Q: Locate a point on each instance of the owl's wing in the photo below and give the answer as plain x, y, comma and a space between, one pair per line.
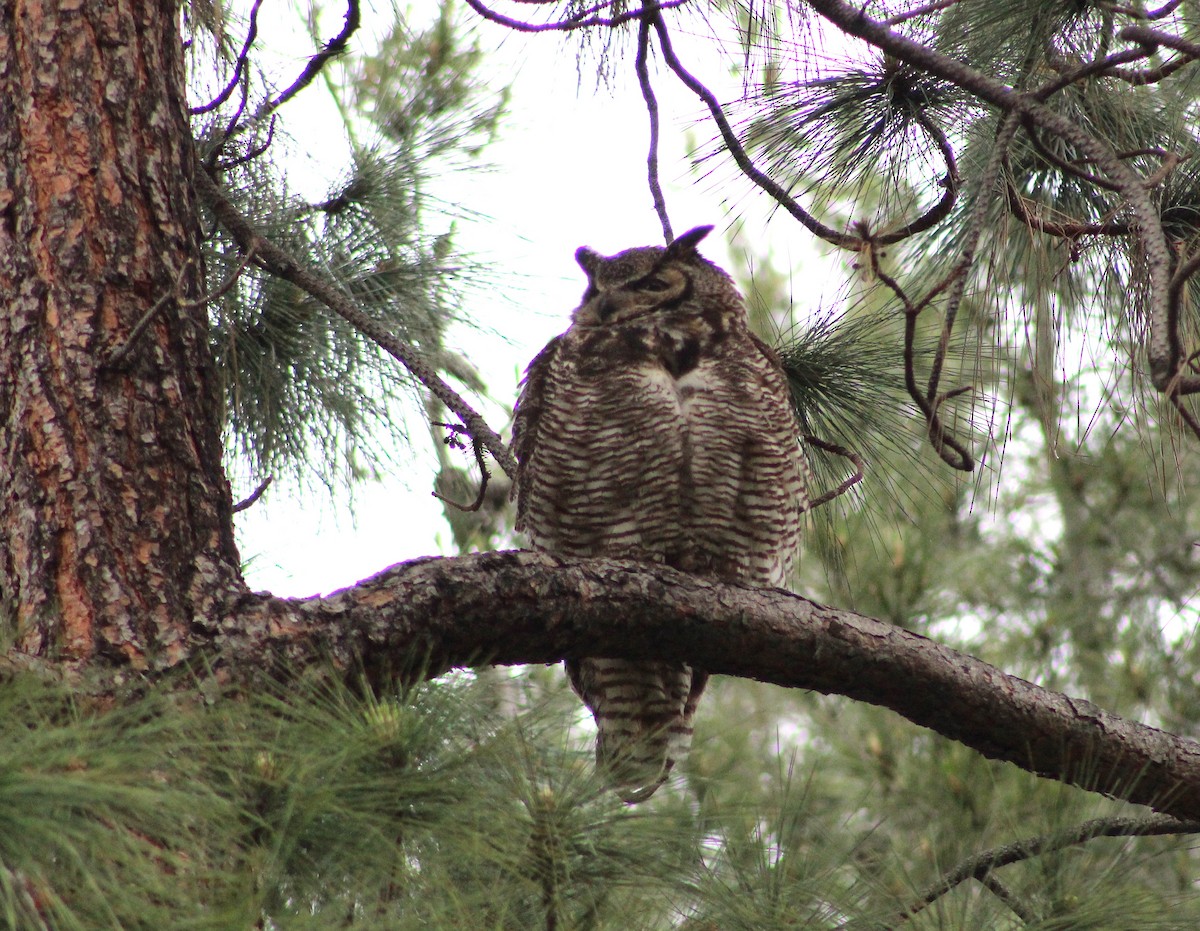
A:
600, 448
527, 416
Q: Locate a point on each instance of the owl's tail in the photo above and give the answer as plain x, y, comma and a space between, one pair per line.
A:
643, 714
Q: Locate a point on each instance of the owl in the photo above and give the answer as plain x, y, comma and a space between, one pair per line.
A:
658, 428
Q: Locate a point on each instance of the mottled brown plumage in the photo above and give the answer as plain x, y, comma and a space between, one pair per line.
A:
658, 428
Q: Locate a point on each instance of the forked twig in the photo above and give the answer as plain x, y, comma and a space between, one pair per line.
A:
121, 353
583, 19
484, 473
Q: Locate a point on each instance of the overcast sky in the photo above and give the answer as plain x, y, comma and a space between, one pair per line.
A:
570, 167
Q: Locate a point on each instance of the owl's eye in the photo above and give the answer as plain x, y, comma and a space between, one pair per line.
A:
653, 283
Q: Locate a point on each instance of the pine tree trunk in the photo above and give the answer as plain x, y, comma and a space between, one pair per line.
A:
115, 515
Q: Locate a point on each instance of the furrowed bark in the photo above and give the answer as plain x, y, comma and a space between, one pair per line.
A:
115, 520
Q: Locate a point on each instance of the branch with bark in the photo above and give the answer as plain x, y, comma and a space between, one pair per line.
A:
430, 615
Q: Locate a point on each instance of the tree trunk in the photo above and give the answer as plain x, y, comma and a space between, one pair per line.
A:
115, 514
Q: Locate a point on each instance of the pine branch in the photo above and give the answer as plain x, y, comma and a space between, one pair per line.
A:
1164, 345
277, 261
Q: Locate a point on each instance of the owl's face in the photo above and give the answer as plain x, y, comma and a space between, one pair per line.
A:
642, 281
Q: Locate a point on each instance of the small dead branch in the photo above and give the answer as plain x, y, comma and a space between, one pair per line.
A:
583, 19
1151, 75
925, 10
1002, 892
1165, 10
239, 67
330, 50
250, 154
117, 358
940, 437
1156, 37
934, 215
734, 145
1020, 208
1104, 66
642, 67
485, 475
254, 495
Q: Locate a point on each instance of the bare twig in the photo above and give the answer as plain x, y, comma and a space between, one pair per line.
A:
231, 124
238, 68
643, 73
484, 474
1185, 415
1165, 10
580, 20
744, 162
925, 10
331, 49
278, 261
1105, 65
980, 865
1155, 37
254, 495
951, 451
119, 354
945, 204
847, 484
1019, 208
1151, 75
250, 154
934, 215
975, 224
1070, 168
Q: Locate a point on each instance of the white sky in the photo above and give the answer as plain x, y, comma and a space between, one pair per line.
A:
570, 170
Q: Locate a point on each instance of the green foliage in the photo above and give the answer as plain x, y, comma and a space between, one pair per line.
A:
304, 394
444, 807
104, 819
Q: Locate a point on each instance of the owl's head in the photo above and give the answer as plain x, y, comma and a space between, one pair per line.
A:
649, 279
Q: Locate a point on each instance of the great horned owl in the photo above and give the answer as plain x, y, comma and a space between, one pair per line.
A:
658, 428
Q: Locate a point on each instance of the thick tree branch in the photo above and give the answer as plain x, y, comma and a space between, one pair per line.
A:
523, 607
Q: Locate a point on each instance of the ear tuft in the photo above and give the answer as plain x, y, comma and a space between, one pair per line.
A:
686, 244
588, 259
